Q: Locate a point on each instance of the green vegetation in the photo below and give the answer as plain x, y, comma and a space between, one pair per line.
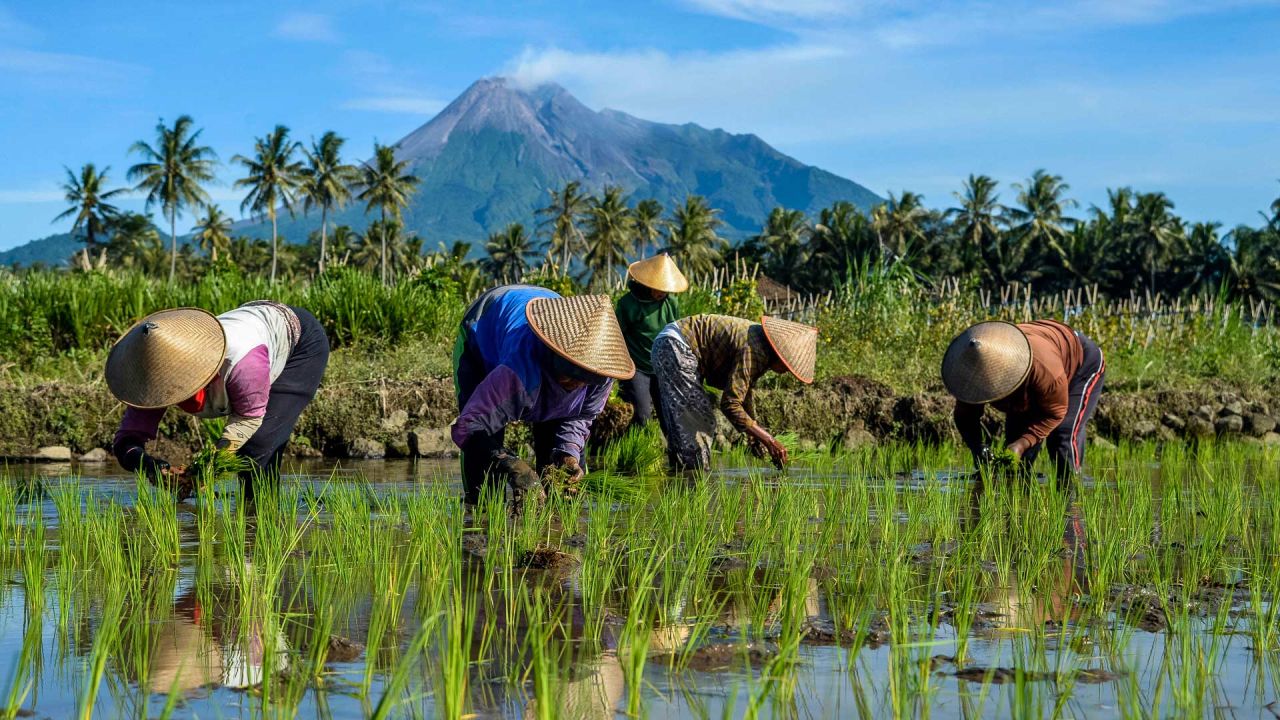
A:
391, 602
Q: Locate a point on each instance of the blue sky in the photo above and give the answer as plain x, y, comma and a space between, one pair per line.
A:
1181, 96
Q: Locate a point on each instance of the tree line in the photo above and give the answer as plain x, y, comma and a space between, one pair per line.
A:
1135, 243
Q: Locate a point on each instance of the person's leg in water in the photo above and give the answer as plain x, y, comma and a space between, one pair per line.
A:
1067, 441
639, 392
291, 393
686, 413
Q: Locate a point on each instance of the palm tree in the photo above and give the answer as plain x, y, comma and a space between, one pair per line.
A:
978, 217
172, 173
561, 217
326, 182
841, 239
134, 243
1155, 231
509, 252
1085, 256
1038, 220
1254, 270
87, 197
387, 184
213, 232
610, 235
365, 251
274, 178
1203, 259
900, 221
691, 236
783, 238
1273, 222
648, 223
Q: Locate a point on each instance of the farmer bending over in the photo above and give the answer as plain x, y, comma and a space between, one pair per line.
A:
526, 354
1043, 375
729, 354
257, 366
648, 306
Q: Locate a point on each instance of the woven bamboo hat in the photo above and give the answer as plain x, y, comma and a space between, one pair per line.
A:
795, 343
583, 330
987, 362
166, 358
660, 273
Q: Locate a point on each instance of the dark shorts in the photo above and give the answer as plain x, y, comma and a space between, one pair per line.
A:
290, 395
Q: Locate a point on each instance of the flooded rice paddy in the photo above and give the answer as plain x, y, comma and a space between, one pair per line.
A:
870, 585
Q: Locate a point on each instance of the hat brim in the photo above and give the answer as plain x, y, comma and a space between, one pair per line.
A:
657, 279
784, 352
135, 380
609, 360
988, 389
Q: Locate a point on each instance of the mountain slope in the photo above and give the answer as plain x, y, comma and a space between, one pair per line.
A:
54, 250
492, 155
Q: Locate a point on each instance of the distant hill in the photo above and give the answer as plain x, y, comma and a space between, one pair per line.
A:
53, 250
489, 158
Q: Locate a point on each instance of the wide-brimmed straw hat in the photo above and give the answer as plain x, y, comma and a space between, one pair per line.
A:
660, 273
796, 343
166, 358
987, 362
583, 330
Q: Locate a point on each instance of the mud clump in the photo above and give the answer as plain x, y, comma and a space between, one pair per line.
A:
823, 632
545, 558
343, 650
717, 656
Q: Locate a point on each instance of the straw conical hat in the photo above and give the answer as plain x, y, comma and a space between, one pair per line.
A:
660, 273
166, 358
987, 362
583, 330
795, 343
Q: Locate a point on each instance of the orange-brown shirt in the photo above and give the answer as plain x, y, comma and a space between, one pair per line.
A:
1040, 404
732, 355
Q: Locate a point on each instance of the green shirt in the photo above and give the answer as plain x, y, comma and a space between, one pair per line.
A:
641, 321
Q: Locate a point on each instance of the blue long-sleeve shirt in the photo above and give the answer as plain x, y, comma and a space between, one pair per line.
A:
518, 384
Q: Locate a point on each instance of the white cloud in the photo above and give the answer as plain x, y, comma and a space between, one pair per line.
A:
773, 10
384, 87
15, 197
83, 72
404, 104
307, 27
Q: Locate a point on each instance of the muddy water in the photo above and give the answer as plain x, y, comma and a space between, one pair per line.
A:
217, 671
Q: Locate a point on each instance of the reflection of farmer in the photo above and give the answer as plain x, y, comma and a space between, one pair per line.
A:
729, 354
193, 649
1043, 375
647, 307
526, 354
258, 366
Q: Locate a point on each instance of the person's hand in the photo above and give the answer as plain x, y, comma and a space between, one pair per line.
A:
777, 451
1018, 447
574, 472
983, 456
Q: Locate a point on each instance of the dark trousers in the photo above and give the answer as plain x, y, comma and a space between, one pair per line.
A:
642, 392
290, 395
1067, 441
480, 451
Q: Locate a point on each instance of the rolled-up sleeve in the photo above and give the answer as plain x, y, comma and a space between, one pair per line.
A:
572, 434
495, 403
735, 401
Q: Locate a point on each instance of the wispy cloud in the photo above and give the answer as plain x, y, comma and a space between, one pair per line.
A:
16, 197
307, 27
83, 72
766, 11
385, 88
405, 104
